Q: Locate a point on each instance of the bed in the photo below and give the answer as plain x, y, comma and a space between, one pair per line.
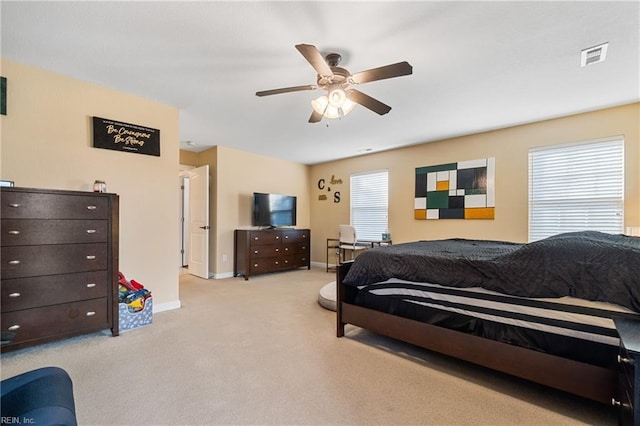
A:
542, 311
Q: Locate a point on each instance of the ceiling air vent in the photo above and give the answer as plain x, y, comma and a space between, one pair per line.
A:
594, 54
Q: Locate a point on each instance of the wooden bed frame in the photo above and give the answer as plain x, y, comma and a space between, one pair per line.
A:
585, 380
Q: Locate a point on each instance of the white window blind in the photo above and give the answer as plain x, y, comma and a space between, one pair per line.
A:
370, 204
576, 187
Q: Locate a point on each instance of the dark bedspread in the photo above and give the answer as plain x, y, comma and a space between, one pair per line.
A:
588, 265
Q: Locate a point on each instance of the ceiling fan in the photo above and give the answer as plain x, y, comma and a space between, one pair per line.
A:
338, 83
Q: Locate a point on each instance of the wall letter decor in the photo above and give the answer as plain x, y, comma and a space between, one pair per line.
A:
322, 186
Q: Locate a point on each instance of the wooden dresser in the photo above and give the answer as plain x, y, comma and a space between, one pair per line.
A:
59, 274
271, 250
629, 372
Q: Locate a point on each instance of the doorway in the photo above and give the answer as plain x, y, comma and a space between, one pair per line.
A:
194, 221
184, 220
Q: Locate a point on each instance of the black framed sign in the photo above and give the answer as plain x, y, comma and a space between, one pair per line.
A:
119, 136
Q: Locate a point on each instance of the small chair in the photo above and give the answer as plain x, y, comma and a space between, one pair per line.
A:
348, 241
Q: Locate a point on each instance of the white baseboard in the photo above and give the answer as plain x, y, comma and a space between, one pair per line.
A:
167, 306
222, 275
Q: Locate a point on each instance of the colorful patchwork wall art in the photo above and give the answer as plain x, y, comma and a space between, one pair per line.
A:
462, 190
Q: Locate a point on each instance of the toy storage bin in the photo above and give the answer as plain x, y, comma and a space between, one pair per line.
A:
130, 320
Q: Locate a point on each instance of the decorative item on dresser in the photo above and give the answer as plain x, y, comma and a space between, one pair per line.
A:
270, 250
59, 273
629, 380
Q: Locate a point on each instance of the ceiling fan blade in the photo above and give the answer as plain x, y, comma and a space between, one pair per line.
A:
315, 58
368, 102
286, 90
387, 71
315, 117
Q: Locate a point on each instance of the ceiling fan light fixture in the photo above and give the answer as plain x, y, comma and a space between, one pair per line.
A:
337, 98
329, 108
320, 104
347, 107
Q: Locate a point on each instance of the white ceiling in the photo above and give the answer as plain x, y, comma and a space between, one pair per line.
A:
477, 66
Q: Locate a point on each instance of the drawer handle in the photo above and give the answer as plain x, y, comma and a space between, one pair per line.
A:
14, 232
91, 285
90, 313
277, 237
277, 263
617, 403
255, 252
91, 207
91, 231
14, 327
277, 249
14, 262
255, 265
256, 238
622, 360
14, 205
286, 237
91, 257
14, 295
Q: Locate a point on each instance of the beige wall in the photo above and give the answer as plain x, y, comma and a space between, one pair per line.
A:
46, 143
509, 147
235, 176
188, 158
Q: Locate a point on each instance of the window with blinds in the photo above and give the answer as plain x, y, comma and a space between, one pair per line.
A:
370, 204
576, 187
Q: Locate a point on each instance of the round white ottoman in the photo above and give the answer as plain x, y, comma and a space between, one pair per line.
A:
327, 296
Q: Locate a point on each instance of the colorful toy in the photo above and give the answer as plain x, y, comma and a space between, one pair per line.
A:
132, 293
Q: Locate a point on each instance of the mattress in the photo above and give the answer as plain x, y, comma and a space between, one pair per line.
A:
569, 327
587, 265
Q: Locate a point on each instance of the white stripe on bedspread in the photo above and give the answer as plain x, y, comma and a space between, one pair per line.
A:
466, 304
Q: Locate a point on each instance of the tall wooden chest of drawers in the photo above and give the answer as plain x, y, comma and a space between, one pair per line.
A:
59, 275
271, 250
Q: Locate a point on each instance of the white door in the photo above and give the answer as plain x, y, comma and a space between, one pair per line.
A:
184, 222
199, 222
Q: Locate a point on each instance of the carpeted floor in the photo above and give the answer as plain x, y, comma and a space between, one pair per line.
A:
264, 351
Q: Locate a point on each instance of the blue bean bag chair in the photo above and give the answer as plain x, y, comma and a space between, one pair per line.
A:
40, 397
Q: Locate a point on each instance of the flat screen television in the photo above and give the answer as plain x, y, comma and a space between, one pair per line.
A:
274, 210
